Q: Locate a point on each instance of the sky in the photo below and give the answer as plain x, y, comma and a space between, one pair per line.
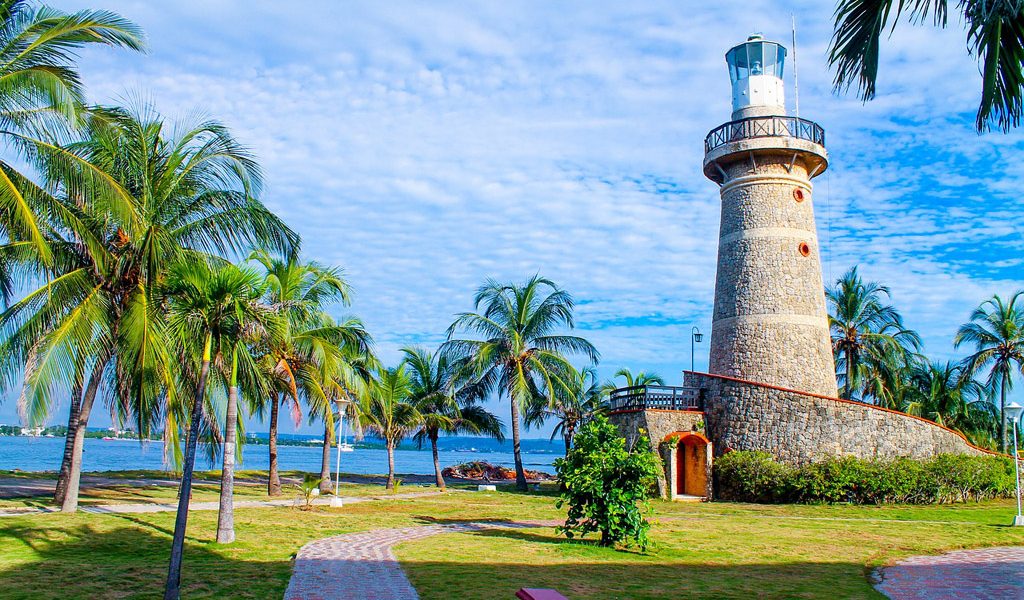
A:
425, 147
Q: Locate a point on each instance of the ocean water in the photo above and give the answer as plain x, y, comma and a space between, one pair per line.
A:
44, 454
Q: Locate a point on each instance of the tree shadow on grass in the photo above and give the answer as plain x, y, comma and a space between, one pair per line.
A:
64, 562
632, 579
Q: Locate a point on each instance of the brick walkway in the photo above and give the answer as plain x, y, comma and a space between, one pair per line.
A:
990, 573
361, 566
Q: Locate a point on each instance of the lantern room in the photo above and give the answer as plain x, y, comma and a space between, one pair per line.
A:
755, 70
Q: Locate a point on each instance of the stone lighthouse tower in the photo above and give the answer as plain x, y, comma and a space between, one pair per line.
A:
770, 321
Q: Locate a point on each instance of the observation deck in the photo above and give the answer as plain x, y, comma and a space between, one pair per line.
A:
660, 397
776, 132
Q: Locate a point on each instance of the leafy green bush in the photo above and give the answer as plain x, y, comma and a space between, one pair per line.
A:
607, 485
752, 477
831, 480
756, 477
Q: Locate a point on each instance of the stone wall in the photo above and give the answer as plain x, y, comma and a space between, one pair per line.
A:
797, 427
659, 424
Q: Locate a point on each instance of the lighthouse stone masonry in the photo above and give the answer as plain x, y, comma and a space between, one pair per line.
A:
772, 383
770, 322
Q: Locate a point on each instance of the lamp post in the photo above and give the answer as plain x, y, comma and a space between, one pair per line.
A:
336, 500
695, 337
1012, 411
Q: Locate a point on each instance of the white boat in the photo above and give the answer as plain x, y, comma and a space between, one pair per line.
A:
347, 447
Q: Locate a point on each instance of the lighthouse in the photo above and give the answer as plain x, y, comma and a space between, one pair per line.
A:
770, 323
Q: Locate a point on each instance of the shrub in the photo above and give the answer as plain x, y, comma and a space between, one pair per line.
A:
607, 485
751, 477
831, 480
756, 477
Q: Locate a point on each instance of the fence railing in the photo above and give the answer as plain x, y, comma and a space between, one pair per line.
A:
641, 397
759, 127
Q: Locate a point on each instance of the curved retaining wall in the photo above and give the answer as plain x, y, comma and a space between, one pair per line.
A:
798, 427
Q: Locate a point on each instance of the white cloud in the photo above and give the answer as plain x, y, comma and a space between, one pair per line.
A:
425, 147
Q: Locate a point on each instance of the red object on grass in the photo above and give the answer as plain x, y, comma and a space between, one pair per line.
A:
539, 594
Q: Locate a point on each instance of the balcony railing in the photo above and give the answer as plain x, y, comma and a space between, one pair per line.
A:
761, 127
642, 397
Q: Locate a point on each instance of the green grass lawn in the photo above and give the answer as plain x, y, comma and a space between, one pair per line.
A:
715, 550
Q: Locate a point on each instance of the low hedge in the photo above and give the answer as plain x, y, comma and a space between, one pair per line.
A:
745, 476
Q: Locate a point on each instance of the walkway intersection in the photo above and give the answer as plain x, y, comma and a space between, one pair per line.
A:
361, 566
990, 573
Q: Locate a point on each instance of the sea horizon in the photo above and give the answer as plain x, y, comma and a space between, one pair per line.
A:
37, 454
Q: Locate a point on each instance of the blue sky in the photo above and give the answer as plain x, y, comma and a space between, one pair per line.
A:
427, 146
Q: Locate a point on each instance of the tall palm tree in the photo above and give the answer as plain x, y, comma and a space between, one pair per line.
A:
996, 330
386, 409
252, 322
574, 403
41, 97
995, 37
209, 307
189, 190
867, 332
345, 376
521, 350
446, 396
301, 291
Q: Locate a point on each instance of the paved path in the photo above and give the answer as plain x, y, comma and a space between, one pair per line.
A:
361, 566
153, 507
990, 573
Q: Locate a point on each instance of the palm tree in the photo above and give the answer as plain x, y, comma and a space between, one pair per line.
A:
40, 97
345, 376
520, 353
209, 307
301, 291
868, 335
640, 379
996, 330
96, 314
386, 409
574, 403
444, 393
944, 394
994, 34
252, 322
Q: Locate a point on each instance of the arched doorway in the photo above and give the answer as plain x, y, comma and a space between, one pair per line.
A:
691, 466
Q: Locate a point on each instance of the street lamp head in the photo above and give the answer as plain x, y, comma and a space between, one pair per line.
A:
1013, 411
697, 337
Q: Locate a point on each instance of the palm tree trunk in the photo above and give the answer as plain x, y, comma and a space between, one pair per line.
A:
391, 466
1002, 412
516, 454
325, 462
274, 481
172, 589
226, 514
567, 438
69, 445
848, 394
69, 503
438, 478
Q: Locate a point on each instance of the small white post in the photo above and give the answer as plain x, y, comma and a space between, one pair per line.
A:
336, 500
1013, 412
1019, 520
